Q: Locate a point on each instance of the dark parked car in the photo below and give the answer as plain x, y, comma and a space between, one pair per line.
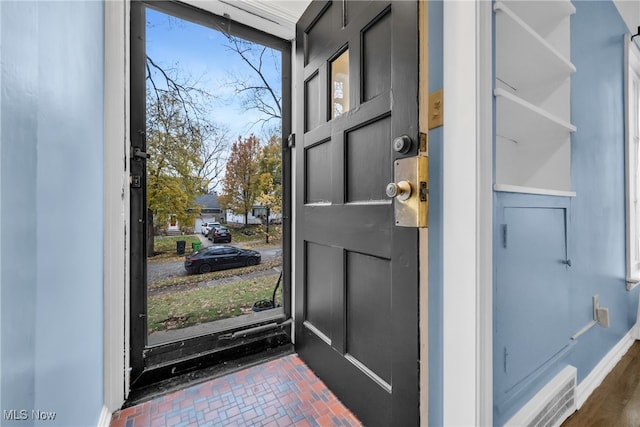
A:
220, 235
219, 258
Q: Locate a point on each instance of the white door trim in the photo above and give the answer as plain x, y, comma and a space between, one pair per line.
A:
468, 212
116, 203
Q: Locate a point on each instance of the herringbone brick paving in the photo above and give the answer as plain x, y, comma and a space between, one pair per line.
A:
282, 392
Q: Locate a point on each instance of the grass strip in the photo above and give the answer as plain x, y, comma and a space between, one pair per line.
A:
191, 307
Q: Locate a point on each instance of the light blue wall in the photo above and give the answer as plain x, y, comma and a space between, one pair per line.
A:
18, 179
435, 222
595, 217
598, 217
51, 209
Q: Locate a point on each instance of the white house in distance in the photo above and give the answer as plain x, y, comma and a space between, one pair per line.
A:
238, 219
256, 216
210, 210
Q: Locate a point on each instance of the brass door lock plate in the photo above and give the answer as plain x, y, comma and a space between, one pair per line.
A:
410, 191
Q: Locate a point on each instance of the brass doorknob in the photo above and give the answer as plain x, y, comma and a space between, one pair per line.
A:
400, 190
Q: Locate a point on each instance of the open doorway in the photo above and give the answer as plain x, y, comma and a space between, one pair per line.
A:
209, 197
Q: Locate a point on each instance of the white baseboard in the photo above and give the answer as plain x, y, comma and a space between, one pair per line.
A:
602, 369
636, 327
105, 417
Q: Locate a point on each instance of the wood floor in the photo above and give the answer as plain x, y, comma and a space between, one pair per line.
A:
616, 402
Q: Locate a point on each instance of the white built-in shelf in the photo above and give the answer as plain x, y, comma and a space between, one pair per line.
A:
519, 120
532, 190
524, 58
542, 16
533, 97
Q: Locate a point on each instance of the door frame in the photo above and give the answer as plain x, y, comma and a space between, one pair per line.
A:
462, 20
116, 205
152, 362
468, 213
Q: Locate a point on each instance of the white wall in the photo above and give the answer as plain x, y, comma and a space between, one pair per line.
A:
630, 12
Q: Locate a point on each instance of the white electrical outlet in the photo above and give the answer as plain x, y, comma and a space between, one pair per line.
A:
600, 314
603, 317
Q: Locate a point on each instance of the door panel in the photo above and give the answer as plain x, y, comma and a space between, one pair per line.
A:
368, 310
365, 146
318, 173
319, 288
532, 276
356, 272
376, 56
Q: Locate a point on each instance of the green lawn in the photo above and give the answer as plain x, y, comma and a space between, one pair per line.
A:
181, 309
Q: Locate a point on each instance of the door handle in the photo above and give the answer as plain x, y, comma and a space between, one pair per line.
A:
401, 190
139, 154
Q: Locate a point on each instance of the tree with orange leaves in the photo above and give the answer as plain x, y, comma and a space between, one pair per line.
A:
240, 186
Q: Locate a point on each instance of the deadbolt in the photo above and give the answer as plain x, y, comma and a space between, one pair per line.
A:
401, 190
402, 144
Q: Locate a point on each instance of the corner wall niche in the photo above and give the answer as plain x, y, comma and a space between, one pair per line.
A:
533, 96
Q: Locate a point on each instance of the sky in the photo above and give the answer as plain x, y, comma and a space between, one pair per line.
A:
202, 54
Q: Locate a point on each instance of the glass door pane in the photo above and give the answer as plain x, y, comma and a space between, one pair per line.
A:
214, 180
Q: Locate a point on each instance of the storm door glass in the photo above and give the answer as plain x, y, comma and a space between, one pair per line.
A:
211, 156
214, 178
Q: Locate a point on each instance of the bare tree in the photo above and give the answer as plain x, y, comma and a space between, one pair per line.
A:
187, 97
257, 90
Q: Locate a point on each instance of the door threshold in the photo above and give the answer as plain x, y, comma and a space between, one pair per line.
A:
202, 372
231, 324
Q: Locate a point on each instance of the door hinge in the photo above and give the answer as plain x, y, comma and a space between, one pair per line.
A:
291, 141
504, 235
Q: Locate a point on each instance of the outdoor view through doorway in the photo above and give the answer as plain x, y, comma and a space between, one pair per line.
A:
213, 178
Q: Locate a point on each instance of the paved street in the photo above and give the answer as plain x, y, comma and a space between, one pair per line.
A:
157, 271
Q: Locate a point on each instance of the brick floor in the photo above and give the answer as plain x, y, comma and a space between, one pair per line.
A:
279, 393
